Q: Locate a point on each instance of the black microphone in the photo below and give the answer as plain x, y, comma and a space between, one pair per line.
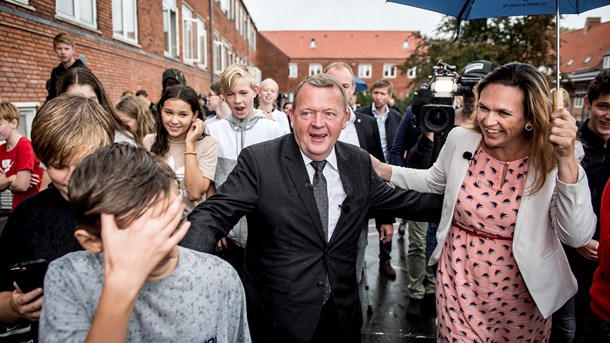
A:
345, 208
309, 185
468, 155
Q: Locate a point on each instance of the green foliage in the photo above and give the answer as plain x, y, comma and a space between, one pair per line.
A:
502, 40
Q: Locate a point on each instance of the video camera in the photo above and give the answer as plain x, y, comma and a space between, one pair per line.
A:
433, 103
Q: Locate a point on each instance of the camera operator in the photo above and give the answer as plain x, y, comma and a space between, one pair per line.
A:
433, 114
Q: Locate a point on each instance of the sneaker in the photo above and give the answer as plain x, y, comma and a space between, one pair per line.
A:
386, 268
428, 305
402, 228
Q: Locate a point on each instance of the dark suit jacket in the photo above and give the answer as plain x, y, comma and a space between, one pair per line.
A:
391, 125
287, 258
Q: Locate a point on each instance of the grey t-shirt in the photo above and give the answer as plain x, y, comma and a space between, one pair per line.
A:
202, 300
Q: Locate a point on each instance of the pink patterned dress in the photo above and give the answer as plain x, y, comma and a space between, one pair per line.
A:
481, 295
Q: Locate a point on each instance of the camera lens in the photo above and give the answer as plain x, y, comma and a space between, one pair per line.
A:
438, 118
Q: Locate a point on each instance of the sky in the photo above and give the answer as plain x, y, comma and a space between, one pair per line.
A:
274, 15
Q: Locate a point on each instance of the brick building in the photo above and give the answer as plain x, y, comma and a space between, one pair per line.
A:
288, 56
126, 43
584, 53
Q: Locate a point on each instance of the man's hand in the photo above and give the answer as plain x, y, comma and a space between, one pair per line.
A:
222, 245
589, 250
27, 305
386, 231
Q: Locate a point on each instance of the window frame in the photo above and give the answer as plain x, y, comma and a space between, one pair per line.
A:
171, 49
75, 18
579, 101
315, 68
293, 70
389, 70
412, 73
365, 70
123, 37
606, 62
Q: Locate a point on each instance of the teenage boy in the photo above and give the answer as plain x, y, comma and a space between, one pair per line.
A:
128, 285
18, 165
64, 130
63, 45
243, 127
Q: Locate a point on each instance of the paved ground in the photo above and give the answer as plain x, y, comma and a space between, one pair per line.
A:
389, 298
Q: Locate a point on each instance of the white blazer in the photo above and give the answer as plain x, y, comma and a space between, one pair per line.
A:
557, 213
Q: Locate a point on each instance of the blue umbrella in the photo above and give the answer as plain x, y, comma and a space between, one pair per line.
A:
360, 85
471, 9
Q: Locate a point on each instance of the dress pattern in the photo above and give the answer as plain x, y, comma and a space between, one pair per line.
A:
481, 295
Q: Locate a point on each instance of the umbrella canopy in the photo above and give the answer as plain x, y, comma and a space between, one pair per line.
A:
360, 85
472, 9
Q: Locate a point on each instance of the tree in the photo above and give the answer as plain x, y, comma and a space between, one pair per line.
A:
502, 40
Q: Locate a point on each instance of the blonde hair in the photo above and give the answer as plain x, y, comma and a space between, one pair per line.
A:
233, 73
537, 110
339, 65
271, 82
63, 38
9, 112
68, 127
135, 107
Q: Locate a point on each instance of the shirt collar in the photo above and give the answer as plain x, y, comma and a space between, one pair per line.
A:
376, 114
331, 159
352, 115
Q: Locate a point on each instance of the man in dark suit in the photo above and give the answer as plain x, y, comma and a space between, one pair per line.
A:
306, 197
361, 130
387, 121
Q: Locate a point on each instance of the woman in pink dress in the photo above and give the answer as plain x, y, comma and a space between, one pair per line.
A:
514, 192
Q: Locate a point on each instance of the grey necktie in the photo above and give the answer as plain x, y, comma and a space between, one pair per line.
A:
321, 194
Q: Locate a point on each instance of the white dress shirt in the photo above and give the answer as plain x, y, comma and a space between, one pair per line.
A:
349, 134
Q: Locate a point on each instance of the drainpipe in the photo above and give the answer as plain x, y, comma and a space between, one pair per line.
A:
211, 39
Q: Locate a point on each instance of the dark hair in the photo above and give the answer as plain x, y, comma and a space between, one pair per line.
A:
601, 84
118, 179
185, 93
83, 76
142, 92
216, 88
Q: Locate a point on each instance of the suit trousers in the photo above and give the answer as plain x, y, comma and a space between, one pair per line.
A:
329, 327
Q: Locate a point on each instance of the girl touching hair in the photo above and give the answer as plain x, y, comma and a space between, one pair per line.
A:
181, 141
134, 113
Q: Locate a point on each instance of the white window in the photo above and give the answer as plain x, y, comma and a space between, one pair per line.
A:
412, 73
227, 7
587, 60
389, 71
365, 71
203, 45
582, 88
315, 68
578, 101
190, 36
606, 62
82, 12
251, 35
221, 55
27, 111
170, 28
125, 20
20, 2
293, 70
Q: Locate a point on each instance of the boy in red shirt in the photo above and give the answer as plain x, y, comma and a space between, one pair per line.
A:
18, 165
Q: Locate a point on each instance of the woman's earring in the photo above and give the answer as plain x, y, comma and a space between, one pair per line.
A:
529, 127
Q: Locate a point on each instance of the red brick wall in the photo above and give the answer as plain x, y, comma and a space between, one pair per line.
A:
273, 63
26, 49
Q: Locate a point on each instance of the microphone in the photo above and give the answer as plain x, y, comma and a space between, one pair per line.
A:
309, 185
345, 208
468, 156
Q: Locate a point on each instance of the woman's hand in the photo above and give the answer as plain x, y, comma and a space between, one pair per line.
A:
562, 134
383, 169
195, 131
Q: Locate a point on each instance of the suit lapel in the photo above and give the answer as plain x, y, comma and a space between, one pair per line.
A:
295, 168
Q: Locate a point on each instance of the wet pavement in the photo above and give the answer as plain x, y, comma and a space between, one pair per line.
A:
389, 298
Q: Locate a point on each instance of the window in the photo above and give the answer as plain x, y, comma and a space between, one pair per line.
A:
125, 20
293, 70
190, 36
606, 62
170, 28
203, 45
570, 62
578, 101
365, 71
412, 73
20, 2
81, 12
389, 71
315, 68
227, 7
582, 88
587, 60
221, 54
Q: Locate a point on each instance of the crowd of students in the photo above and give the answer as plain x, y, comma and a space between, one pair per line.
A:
123, 177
